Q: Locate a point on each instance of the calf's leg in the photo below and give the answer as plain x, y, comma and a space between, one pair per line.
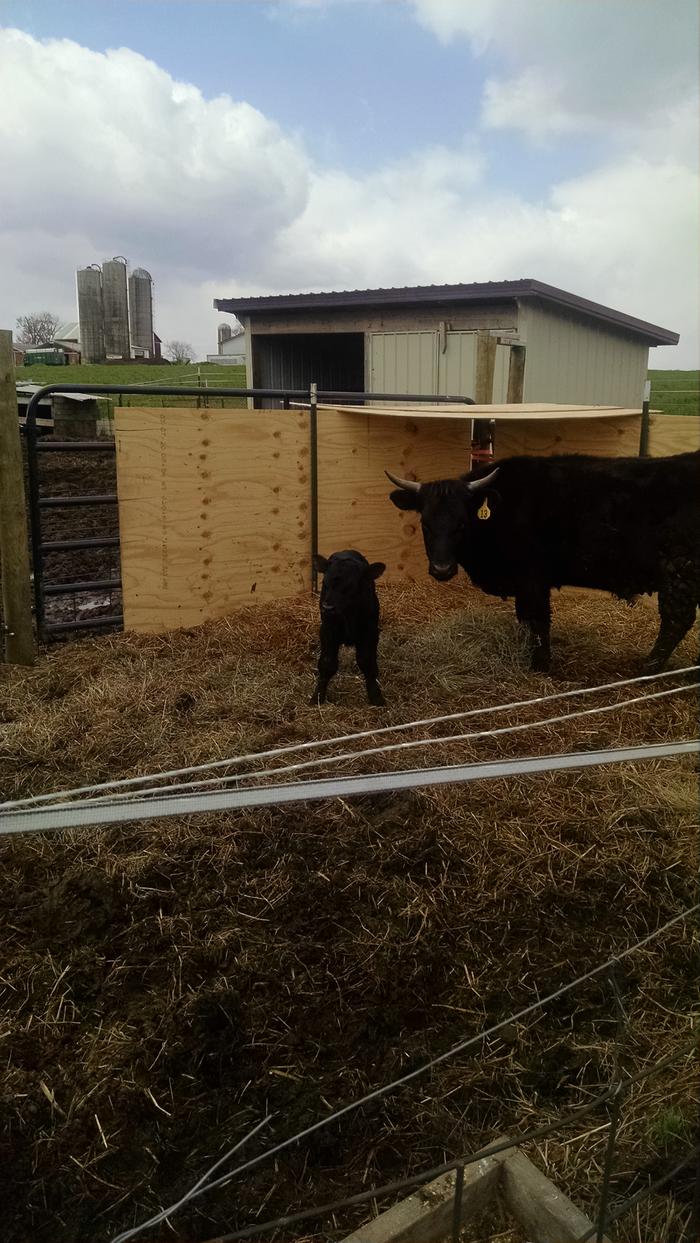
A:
677, 605
532, 607
327, 667
366, 653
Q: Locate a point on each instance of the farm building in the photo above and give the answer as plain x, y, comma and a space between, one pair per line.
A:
231, 341
424, 340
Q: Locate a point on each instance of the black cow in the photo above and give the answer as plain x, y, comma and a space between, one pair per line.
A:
349, 617
623, 525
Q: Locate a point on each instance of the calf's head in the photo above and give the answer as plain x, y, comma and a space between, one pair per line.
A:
447, 511
348, 580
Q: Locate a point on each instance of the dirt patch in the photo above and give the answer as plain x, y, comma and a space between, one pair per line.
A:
166, 985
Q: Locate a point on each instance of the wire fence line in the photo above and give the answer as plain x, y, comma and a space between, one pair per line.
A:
64, 816
532, 1134
204, 1185
275, 752
391, 748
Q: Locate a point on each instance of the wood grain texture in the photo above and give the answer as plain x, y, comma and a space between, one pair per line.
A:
673, 433
355, 448
535, 411
213, 512
609, 437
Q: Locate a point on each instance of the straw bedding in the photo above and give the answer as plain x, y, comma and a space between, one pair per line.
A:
165, 984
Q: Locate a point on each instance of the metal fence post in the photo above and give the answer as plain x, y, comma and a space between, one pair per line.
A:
644, 430
313, 476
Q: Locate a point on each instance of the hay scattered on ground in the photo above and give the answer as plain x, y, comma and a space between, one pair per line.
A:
165, 984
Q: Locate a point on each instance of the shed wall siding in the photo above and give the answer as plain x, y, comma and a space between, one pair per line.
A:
574, 360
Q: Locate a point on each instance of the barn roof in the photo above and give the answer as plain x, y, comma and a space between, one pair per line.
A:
434, 295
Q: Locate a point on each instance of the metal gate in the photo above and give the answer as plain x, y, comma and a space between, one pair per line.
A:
39, 504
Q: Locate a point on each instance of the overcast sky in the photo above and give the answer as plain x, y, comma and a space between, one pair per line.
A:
235, 147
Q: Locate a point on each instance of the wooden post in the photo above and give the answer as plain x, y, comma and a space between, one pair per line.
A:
20, 648
485, 367
483, 394
516, 374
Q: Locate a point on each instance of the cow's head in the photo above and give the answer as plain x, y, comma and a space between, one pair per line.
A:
347, 576
447, 509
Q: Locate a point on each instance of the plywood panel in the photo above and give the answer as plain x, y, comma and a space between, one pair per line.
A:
213, 511
354, 507
673, 433
609, 437
536, 411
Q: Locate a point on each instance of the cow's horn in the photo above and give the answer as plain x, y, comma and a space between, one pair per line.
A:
477, 485
411, 485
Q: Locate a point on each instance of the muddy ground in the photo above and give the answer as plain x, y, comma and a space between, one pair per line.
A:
165, 985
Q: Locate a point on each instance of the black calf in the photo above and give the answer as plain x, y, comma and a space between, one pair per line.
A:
349, 618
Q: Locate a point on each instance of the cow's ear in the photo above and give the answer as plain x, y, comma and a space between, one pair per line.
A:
403, 499
376, 569
320, 563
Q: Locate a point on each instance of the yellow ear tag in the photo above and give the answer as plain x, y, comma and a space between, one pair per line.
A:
484, 512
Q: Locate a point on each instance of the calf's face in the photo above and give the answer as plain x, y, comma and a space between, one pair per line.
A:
346, 582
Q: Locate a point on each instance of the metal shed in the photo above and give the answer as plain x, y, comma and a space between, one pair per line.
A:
495, 341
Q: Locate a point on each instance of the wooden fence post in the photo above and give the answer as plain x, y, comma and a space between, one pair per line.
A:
516, 374
20, 648
485, 368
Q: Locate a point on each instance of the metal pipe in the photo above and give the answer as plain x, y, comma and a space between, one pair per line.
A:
31, 436
75, 446
89, 623
644, 429
88, 584
429, 398
313, 477
67, 545
66, 502
169, 390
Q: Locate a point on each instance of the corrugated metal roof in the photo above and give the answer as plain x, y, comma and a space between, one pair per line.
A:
67, 332
420, 295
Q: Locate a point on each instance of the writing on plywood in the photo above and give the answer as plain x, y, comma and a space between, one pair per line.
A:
213, 512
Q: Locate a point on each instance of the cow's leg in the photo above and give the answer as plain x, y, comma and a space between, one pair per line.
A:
532, 607
366, 652
677, 605
327, 667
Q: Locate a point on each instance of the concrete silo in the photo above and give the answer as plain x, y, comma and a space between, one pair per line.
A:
90, 314
116, 308
141, 313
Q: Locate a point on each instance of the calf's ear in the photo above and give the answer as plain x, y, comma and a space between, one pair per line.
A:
405, 500
376, 569
319, 563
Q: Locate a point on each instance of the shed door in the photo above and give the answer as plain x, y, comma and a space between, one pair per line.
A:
403, 362
414, 362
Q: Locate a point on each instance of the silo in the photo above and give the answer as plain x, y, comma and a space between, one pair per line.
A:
223, 333
116, 310
90, 314
141, 311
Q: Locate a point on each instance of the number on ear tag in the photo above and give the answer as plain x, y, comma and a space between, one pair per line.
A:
484, 512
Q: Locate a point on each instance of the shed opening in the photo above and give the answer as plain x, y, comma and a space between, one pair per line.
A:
335, 360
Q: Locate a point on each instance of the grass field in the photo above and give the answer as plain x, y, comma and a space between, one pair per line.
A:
674, 392
201, 375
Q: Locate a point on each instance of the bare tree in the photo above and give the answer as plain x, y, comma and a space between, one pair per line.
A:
179, 352
38, 328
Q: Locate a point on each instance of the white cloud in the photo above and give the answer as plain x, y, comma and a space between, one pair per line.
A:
216, 200
111, 155
564, 65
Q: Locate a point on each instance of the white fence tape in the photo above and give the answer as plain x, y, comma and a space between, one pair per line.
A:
67, 816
